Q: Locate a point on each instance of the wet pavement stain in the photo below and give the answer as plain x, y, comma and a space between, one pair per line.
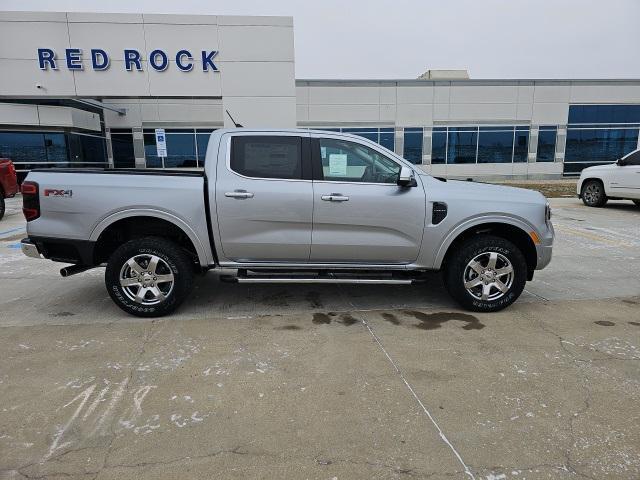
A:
637, 324
432, 321
280, 299
62, 314
348, 320
314, 300
321, 319
630, 302
289, 327
391, 318
604, 323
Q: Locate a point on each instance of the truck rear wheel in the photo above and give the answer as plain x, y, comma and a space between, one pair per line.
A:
486, 273
148, 277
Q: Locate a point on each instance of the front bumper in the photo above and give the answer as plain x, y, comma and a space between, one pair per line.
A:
544, 249
29, 248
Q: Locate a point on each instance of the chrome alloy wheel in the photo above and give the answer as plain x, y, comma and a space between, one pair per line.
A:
488, 276
592, 193
146, 279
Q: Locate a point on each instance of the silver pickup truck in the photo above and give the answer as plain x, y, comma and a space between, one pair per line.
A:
282, 206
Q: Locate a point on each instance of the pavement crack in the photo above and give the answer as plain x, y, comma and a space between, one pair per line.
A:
443, 437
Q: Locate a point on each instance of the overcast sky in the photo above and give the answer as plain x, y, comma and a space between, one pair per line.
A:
403, 38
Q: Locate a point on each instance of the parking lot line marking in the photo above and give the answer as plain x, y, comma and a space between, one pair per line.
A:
11, 230
591, 236
424, 409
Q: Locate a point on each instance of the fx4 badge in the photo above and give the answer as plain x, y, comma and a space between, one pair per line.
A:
53, 192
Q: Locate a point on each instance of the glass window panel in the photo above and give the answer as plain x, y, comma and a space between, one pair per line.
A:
599, 145
521, 146
150, 151
438, 146
181, 150
122, 146
351, 162
87, 149
387, 140
604, 113
495, 146
56, 147
463, 129
202, 140
462, 146
360, 130
267, 157
546, 144
23, 146
413, 145
373, 136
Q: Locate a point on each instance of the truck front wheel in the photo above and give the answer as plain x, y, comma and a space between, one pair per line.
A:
485, 273
148, 277
593, 194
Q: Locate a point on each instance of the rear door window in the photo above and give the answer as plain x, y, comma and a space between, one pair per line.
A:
267, 156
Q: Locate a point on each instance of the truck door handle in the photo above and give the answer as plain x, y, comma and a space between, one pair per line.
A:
239, 194
335, 197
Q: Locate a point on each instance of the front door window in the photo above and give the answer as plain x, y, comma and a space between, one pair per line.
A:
346, 161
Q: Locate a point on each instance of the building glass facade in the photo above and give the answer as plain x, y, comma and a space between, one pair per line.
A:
599, 134
384, 136
36, 149
186, 147
480, 144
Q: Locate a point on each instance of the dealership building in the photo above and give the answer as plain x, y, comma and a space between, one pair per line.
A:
89, 90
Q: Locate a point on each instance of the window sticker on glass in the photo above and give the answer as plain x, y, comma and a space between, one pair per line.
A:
323, 151
338, 164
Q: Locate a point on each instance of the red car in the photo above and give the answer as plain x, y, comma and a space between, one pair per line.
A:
8, 182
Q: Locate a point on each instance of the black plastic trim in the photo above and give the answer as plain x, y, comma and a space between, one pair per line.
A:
121, 171
207, 214
81, 252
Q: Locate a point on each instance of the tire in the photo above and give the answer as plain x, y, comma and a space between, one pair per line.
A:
593, 194
140, 263
482, 250
2, 205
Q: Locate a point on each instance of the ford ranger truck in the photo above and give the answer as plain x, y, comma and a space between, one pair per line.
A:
287, 206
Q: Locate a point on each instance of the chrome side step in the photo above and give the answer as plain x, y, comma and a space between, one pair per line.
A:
370, 281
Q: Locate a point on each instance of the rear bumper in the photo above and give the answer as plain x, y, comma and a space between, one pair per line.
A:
29, 249
65, 250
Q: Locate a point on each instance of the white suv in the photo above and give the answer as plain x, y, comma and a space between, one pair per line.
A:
616, 181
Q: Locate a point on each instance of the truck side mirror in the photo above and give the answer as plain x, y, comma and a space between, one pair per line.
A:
406, 177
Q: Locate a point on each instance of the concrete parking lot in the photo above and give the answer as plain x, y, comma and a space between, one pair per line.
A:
329, 382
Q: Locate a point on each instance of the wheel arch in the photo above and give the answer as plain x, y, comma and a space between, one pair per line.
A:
511, 229
120, 227
590, 179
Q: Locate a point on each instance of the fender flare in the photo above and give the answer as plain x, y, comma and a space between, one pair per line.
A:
454, 233
129, 213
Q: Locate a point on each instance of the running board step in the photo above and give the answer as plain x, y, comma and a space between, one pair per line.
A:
371, 281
